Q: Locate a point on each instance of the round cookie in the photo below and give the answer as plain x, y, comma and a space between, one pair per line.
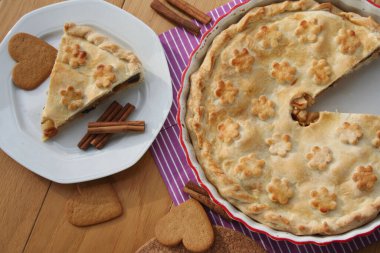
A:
226, 240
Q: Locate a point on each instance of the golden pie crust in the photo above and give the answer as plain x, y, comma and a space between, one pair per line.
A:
89, 67
292, 170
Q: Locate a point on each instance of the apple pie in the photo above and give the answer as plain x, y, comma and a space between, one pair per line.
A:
88, 68
253, 135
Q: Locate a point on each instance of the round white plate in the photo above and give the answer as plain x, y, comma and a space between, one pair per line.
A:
20, 111
356, 93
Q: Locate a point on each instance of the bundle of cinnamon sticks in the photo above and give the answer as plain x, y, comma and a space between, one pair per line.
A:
184, 7
110, 122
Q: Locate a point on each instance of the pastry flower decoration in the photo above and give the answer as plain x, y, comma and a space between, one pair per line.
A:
104, 76
284, 73
348, 41
279, 144
323, 200
364, 178
256, 208
263, 107
72, 98
249, 166
268, 36
74, 56
279, 190
307, 31
228, 131
321, 71
376, 140
350, 133
242, 60
319, 158
226, 92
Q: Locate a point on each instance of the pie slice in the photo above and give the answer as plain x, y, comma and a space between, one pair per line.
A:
88, 68
286, 167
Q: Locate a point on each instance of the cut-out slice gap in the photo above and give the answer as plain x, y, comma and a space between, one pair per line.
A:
357, 92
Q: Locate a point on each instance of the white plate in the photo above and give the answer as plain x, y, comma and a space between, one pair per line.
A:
356, 93
59, 159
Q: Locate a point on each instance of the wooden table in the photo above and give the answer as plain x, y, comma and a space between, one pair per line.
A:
32, 208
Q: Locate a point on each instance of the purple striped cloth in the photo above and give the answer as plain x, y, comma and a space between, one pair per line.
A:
171, 160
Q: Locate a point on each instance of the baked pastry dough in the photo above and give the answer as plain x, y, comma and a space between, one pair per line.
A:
89, 67
286, 167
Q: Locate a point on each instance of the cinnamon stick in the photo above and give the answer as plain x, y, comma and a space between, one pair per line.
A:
206, 200
84, 143
194, 187
190, 10
116, 123
164, 11
100, 142
121, 128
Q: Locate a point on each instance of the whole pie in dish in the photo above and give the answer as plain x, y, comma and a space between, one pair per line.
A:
88, 68
248, 119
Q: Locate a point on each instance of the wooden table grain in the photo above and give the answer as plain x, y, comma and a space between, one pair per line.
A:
32, 215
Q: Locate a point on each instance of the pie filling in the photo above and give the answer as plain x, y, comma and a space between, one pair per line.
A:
134, 79
302, 102
248, 119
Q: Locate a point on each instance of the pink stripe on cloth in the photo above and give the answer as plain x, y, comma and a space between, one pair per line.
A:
171, 160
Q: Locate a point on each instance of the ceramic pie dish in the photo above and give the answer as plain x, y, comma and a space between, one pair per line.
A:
362, 8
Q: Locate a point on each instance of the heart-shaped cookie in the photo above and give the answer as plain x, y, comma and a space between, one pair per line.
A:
226, 241
187, 223
35, 60
93, 203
